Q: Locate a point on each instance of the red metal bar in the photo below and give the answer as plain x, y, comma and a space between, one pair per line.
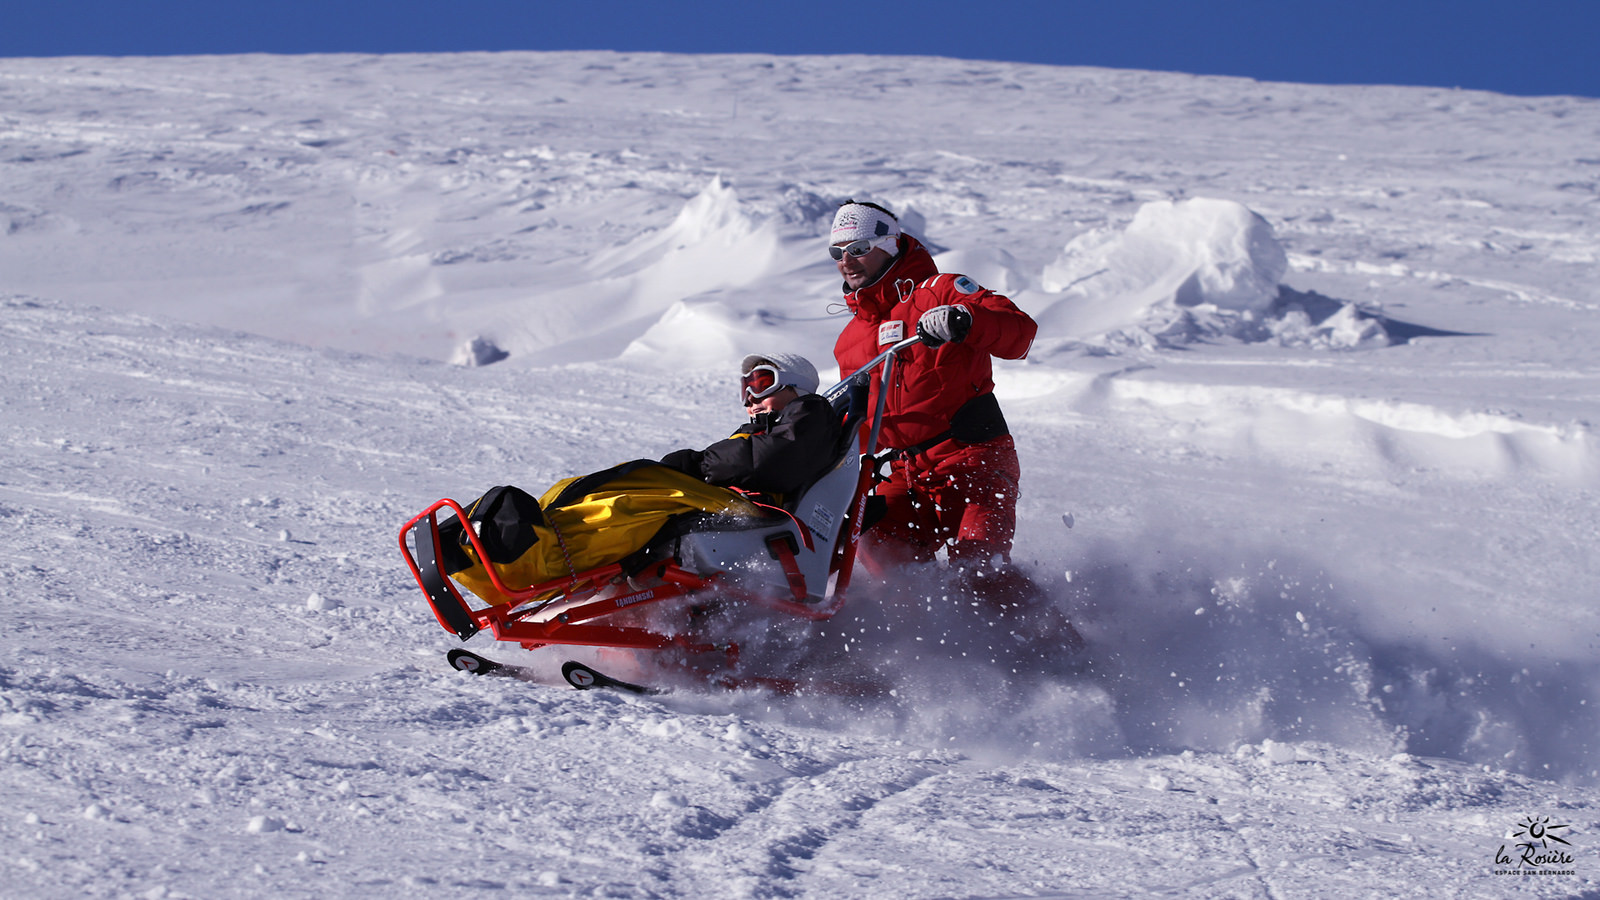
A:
845, 564
572, 625
514, 594
791, 566
445, 583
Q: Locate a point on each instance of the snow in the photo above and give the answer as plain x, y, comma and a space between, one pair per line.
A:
1192, 253
1308, 442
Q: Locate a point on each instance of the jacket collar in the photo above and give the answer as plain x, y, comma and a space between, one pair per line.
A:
913, 264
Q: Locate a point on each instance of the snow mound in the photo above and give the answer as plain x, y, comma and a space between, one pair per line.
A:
1295, 323
479, 351
1180, 269
704, 329
712, 246
713, 243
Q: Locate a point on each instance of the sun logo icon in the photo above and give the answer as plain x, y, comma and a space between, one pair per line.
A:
1540, 830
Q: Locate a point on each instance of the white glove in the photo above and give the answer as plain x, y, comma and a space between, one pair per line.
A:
944, 325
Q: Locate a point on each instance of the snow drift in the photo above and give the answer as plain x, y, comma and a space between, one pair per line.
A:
1190, 253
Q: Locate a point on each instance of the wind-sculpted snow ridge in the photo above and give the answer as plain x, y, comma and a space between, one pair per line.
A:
709, 246
707, 283
404, 217
1365, 434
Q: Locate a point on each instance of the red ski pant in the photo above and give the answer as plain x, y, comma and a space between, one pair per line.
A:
965, 500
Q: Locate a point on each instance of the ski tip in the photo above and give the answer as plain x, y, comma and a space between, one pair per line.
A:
585, 678
580, 676
467, 661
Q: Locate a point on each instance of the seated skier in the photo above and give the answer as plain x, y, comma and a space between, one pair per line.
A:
791, 437
595, 520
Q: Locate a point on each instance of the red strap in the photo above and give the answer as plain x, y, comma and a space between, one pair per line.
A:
791, 566
801, 529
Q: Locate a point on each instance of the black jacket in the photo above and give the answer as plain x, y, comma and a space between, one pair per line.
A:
774, 453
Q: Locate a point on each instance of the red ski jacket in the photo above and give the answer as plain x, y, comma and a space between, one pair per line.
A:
929, 385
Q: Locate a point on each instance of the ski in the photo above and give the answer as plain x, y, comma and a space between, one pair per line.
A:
578, 675
584, 677
467, 661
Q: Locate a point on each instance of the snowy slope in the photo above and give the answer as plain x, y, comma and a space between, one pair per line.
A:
1339, 583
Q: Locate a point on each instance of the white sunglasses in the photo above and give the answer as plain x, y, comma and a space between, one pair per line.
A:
859, 248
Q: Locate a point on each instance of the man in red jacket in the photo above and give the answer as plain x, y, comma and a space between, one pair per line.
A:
955, 479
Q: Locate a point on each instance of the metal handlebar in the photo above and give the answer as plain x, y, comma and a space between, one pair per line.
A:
863, 375
865, 372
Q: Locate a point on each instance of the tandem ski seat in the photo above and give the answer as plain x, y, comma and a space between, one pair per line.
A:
803, 541
615, 548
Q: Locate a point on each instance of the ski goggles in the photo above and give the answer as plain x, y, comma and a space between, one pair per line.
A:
859, 248
762, 381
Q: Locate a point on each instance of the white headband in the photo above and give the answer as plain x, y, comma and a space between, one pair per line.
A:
856, 222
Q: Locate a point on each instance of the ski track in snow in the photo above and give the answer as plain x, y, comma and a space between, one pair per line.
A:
1341, 602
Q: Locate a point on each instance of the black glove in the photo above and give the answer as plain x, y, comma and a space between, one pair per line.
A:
686, 461
944, 325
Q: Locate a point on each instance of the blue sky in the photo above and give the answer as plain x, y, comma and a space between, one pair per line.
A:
1511, 46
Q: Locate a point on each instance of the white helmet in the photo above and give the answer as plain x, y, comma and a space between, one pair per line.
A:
793, 370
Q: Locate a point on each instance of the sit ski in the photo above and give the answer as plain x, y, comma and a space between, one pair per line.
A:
687, 604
